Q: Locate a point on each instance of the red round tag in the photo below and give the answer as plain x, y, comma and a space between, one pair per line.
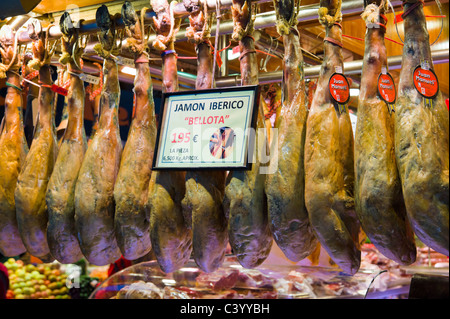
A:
386, 88
339, 88
426, 82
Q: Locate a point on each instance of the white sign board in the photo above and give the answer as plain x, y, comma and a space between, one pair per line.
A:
207, 129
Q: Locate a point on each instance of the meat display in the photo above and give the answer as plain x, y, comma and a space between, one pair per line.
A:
202, 203
378, 194
285, 188
13, 145
31, 209
170, 234
60, 196
245, 202
94, 190
421, 135
329, 172
130, 192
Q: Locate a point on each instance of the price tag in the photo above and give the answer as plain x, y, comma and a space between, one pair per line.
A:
207, 129
386, 90
339, 88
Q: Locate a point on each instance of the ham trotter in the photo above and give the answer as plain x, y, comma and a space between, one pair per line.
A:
285, 188
245, 201
13, 145
130, 192
379, 200
170, 235
60, 196
421, 135
31, 209
94, 190
205, 190
329, 172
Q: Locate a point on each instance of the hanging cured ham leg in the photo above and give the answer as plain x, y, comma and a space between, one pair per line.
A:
130, 192
169, 232
205, 190
94, 197
285, 189
245, 201
61, 233
31, 209
378, 195
329, 157
421, 136
13, 145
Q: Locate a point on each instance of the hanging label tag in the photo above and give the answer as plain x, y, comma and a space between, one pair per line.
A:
386, 90
425, 82
339, 88
89, 78
235, 50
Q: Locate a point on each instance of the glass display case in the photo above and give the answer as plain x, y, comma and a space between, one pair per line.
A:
147, 281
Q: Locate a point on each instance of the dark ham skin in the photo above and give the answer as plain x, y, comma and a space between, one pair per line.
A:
130, 191
285, 188
202, 203
60, 195
329, 172
378, 194
170, 236
31, 208
422, 141
245, 202
94, 190
13, 149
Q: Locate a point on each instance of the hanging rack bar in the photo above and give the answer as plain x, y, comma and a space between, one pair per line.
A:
308, 13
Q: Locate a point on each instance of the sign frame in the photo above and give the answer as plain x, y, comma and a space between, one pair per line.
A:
249, 147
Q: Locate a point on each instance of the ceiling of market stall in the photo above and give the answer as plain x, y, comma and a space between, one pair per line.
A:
267, 38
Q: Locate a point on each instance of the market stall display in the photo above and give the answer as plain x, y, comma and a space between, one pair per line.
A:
232, 281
